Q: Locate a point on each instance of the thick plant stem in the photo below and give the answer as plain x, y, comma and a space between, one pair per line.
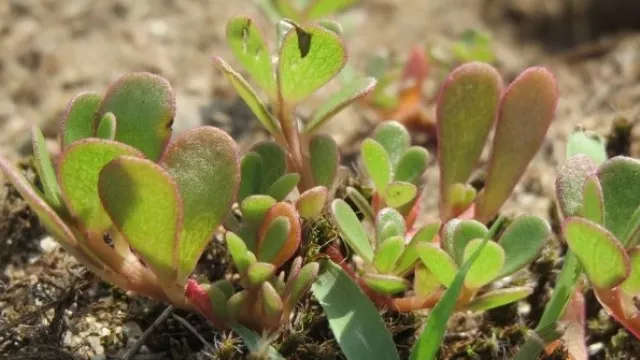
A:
291, 133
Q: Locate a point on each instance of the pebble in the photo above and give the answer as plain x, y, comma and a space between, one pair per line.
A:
48, 245
94, 341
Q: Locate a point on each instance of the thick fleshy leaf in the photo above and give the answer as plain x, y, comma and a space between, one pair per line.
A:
249, 95
466, 231
593, 204
386, 284
389, 223
271, 301
487, 266
424, 282
45, 170
448, 230
410, 255
255, 207
78, 171
632, 234
438, 262
302, 282
569, 184
218, 301
525, 113
399, 193
79, 119
283, 186
620, 180
350, 93
351, 229
361, 203
522, 242
325, 159
412, 165
461, 196
250, 176
310, 56
466, 110
144, 105
587, 143
274, 239
311, 202
259, 272
323, 8
295, 232
497, 298
107, 127
631, 285
144, 204
388, 253
601, 255
377, 163
249, 47
238, 303
351, 315
394, 138
204, 162
274, 162
238, 250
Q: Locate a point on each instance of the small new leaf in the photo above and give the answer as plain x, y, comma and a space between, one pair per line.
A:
351, 229
377, 163
388, 253
497, 298
386, 284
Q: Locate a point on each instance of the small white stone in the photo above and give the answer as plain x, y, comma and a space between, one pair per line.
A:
48, 245
94, 341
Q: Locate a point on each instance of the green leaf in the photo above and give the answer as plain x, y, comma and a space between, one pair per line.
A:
438, 262
250, 176
323, 8
587, 143
465, 113
78, 171
354, 321
302, 282
593, 206
464, 232
274, 162
388, 253
292, 243
255, 343
602, 256
394, 138
238, 303
448, 230
631, 285
424, 282
461, 196
310, 56
218, 300
386, 284
78, 121
522, 242
412, 165
255, 207
311, 202
570, 182
361, 203
274, 239
259, 272
620, 180
351, 229
271, 301
250, 97
238, 251
283, 186
145, 106
526, 110
250, 49
204, 162
350, 93
632, 234
325, 159
389, 223
332, 26
45, 170
107, 127
410, 255
400, 193
144, 204
377, 163
497, 298
488, 264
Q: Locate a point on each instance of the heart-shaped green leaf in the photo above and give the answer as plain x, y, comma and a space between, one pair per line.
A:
410, 255
283, 186
144, 105
601, 255
250, 97
497, 298
399, 193
593, 204
255, 207
274, 162
323, 8
377, 164
522, 242
45, 170
351, 229
386, 284
466, 231
350, 93
487, 266
274, 239
144, 204
525, 113
325, 159
78, 121
107, 127
259, 272
310, 56
311, 202
250, 176
587, 143
424, 282
570, 182
78, 171
620, 180
290, 246
465, 113
631, 285
388, 253
438, 262
389, 222
394, 138
250, 49
238, 251
205, 164
412, 165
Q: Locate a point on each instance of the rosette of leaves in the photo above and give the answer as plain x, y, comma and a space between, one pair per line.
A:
308, 57
134, 208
